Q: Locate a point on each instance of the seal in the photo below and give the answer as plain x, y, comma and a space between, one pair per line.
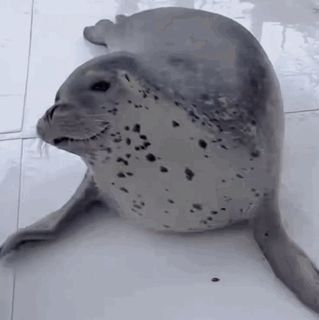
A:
181, 126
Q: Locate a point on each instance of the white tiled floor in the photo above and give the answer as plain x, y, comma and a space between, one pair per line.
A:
113, 270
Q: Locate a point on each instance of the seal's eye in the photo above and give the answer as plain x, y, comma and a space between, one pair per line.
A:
100, 86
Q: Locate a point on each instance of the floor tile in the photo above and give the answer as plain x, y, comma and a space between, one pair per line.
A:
9, 202
78, 7
15, 20
106, 267
11, 113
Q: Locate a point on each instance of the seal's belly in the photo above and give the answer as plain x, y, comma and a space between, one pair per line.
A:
170, 174
191, 196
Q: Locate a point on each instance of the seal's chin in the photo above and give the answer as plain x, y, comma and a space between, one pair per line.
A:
63, 140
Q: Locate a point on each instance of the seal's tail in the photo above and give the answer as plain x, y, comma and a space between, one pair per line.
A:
290, 264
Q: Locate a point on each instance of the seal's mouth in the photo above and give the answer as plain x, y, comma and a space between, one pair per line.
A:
60, 140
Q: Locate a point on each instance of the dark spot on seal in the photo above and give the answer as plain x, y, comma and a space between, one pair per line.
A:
163, 169
166, 226
215, 279
197, 206
137, 128
202, 143
117, 140
224, 147
121, 175
223, 209
214, 212
127, 128
143, 137
155, 97
210, 218
109, 150
255, 154
129, 101
128, 155
125, 162
175, 124
239, 176
266, 234
177, 103
124, 189
170, 201
189, 174
128, 141
127, 78
150, 157
130, 174
193, 115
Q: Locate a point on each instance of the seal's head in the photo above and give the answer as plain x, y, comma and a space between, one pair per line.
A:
80, 117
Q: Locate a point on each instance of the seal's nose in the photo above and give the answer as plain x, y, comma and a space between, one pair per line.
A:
40, 128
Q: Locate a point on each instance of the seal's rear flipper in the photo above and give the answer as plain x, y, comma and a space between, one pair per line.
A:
98, 34
290, 264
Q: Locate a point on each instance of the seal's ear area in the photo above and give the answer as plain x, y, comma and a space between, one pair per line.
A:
123, 61
124, 75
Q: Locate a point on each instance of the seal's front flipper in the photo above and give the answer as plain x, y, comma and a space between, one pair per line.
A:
99, 33
290, 264
48, 228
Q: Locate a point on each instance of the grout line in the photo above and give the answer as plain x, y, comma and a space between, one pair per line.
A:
17, 226
21, 153
302, 111
18, 138
28, 66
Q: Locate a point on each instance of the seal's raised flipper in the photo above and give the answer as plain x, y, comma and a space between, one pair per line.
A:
290, 264
98, 33
48, 227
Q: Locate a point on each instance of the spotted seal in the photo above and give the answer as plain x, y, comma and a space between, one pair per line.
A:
181, 126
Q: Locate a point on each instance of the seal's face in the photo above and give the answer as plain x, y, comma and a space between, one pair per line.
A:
79, 119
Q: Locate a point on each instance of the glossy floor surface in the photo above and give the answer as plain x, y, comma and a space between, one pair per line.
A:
105, 268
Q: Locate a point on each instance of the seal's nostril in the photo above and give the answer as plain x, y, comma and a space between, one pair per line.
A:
50, 112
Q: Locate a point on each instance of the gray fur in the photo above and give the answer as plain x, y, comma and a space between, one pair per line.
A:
187, 137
